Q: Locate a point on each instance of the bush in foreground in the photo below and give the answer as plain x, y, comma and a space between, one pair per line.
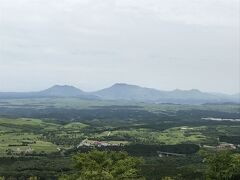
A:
105, 165
223, 166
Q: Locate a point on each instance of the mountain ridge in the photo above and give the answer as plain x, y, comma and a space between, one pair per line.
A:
129, 92
122, 91
62, 90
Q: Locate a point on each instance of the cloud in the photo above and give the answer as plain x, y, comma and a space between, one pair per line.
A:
200, 12
99, 42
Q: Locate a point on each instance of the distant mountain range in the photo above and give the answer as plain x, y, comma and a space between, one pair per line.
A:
126, 92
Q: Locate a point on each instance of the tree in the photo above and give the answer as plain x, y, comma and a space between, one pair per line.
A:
105, 165
223, 166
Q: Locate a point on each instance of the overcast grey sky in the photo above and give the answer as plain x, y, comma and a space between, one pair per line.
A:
163, 44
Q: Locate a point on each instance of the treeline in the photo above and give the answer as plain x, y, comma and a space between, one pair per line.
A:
198, 114
230, 139
45, 168
63, 114
144, 150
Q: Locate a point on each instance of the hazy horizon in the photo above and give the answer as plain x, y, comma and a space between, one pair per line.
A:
92, 44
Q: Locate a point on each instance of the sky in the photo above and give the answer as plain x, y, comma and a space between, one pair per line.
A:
92, 44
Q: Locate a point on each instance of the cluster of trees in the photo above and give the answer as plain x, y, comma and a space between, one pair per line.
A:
151, 150
223, 166
110, 165
146, 150
107, 165
198, 114
230, 139
66, 115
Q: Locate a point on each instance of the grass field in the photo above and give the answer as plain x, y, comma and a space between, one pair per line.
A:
23, 134
170, 136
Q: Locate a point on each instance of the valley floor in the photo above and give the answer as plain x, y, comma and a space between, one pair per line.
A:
171, 138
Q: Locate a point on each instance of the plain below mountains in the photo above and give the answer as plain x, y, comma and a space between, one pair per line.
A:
126, 92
